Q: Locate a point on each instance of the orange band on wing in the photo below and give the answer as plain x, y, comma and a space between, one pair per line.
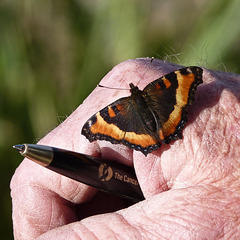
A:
144, 140
184, 84
182, 95
111, 130
169, 127
102, 127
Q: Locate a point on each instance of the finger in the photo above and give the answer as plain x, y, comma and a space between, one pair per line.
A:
193, 213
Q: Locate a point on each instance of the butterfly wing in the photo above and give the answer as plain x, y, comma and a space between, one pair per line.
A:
169, 96
120, 122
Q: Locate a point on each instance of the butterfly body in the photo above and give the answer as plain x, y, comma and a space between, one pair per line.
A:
148, 117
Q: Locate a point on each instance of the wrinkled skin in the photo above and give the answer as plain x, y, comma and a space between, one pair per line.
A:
192, 186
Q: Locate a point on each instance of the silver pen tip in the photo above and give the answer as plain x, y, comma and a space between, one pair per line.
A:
19, 147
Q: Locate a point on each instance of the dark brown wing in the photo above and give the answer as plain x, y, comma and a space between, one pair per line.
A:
120, 122
169, 96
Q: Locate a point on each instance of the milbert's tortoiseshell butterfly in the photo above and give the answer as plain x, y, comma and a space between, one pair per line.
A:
147, 118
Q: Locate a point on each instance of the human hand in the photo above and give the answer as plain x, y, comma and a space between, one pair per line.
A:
191, 185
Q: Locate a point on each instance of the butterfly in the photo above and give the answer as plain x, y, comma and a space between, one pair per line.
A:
150, 117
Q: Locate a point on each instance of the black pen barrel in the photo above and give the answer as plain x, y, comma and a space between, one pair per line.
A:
106, 175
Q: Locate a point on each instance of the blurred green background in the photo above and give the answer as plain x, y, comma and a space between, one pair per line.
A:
53, 53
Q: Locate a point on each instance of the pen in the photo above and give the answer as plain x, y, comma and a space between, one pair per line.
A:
106, 175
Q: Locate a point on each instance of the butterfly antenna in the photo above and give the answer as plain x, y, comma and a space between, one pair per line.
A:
99, 85
145, 71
